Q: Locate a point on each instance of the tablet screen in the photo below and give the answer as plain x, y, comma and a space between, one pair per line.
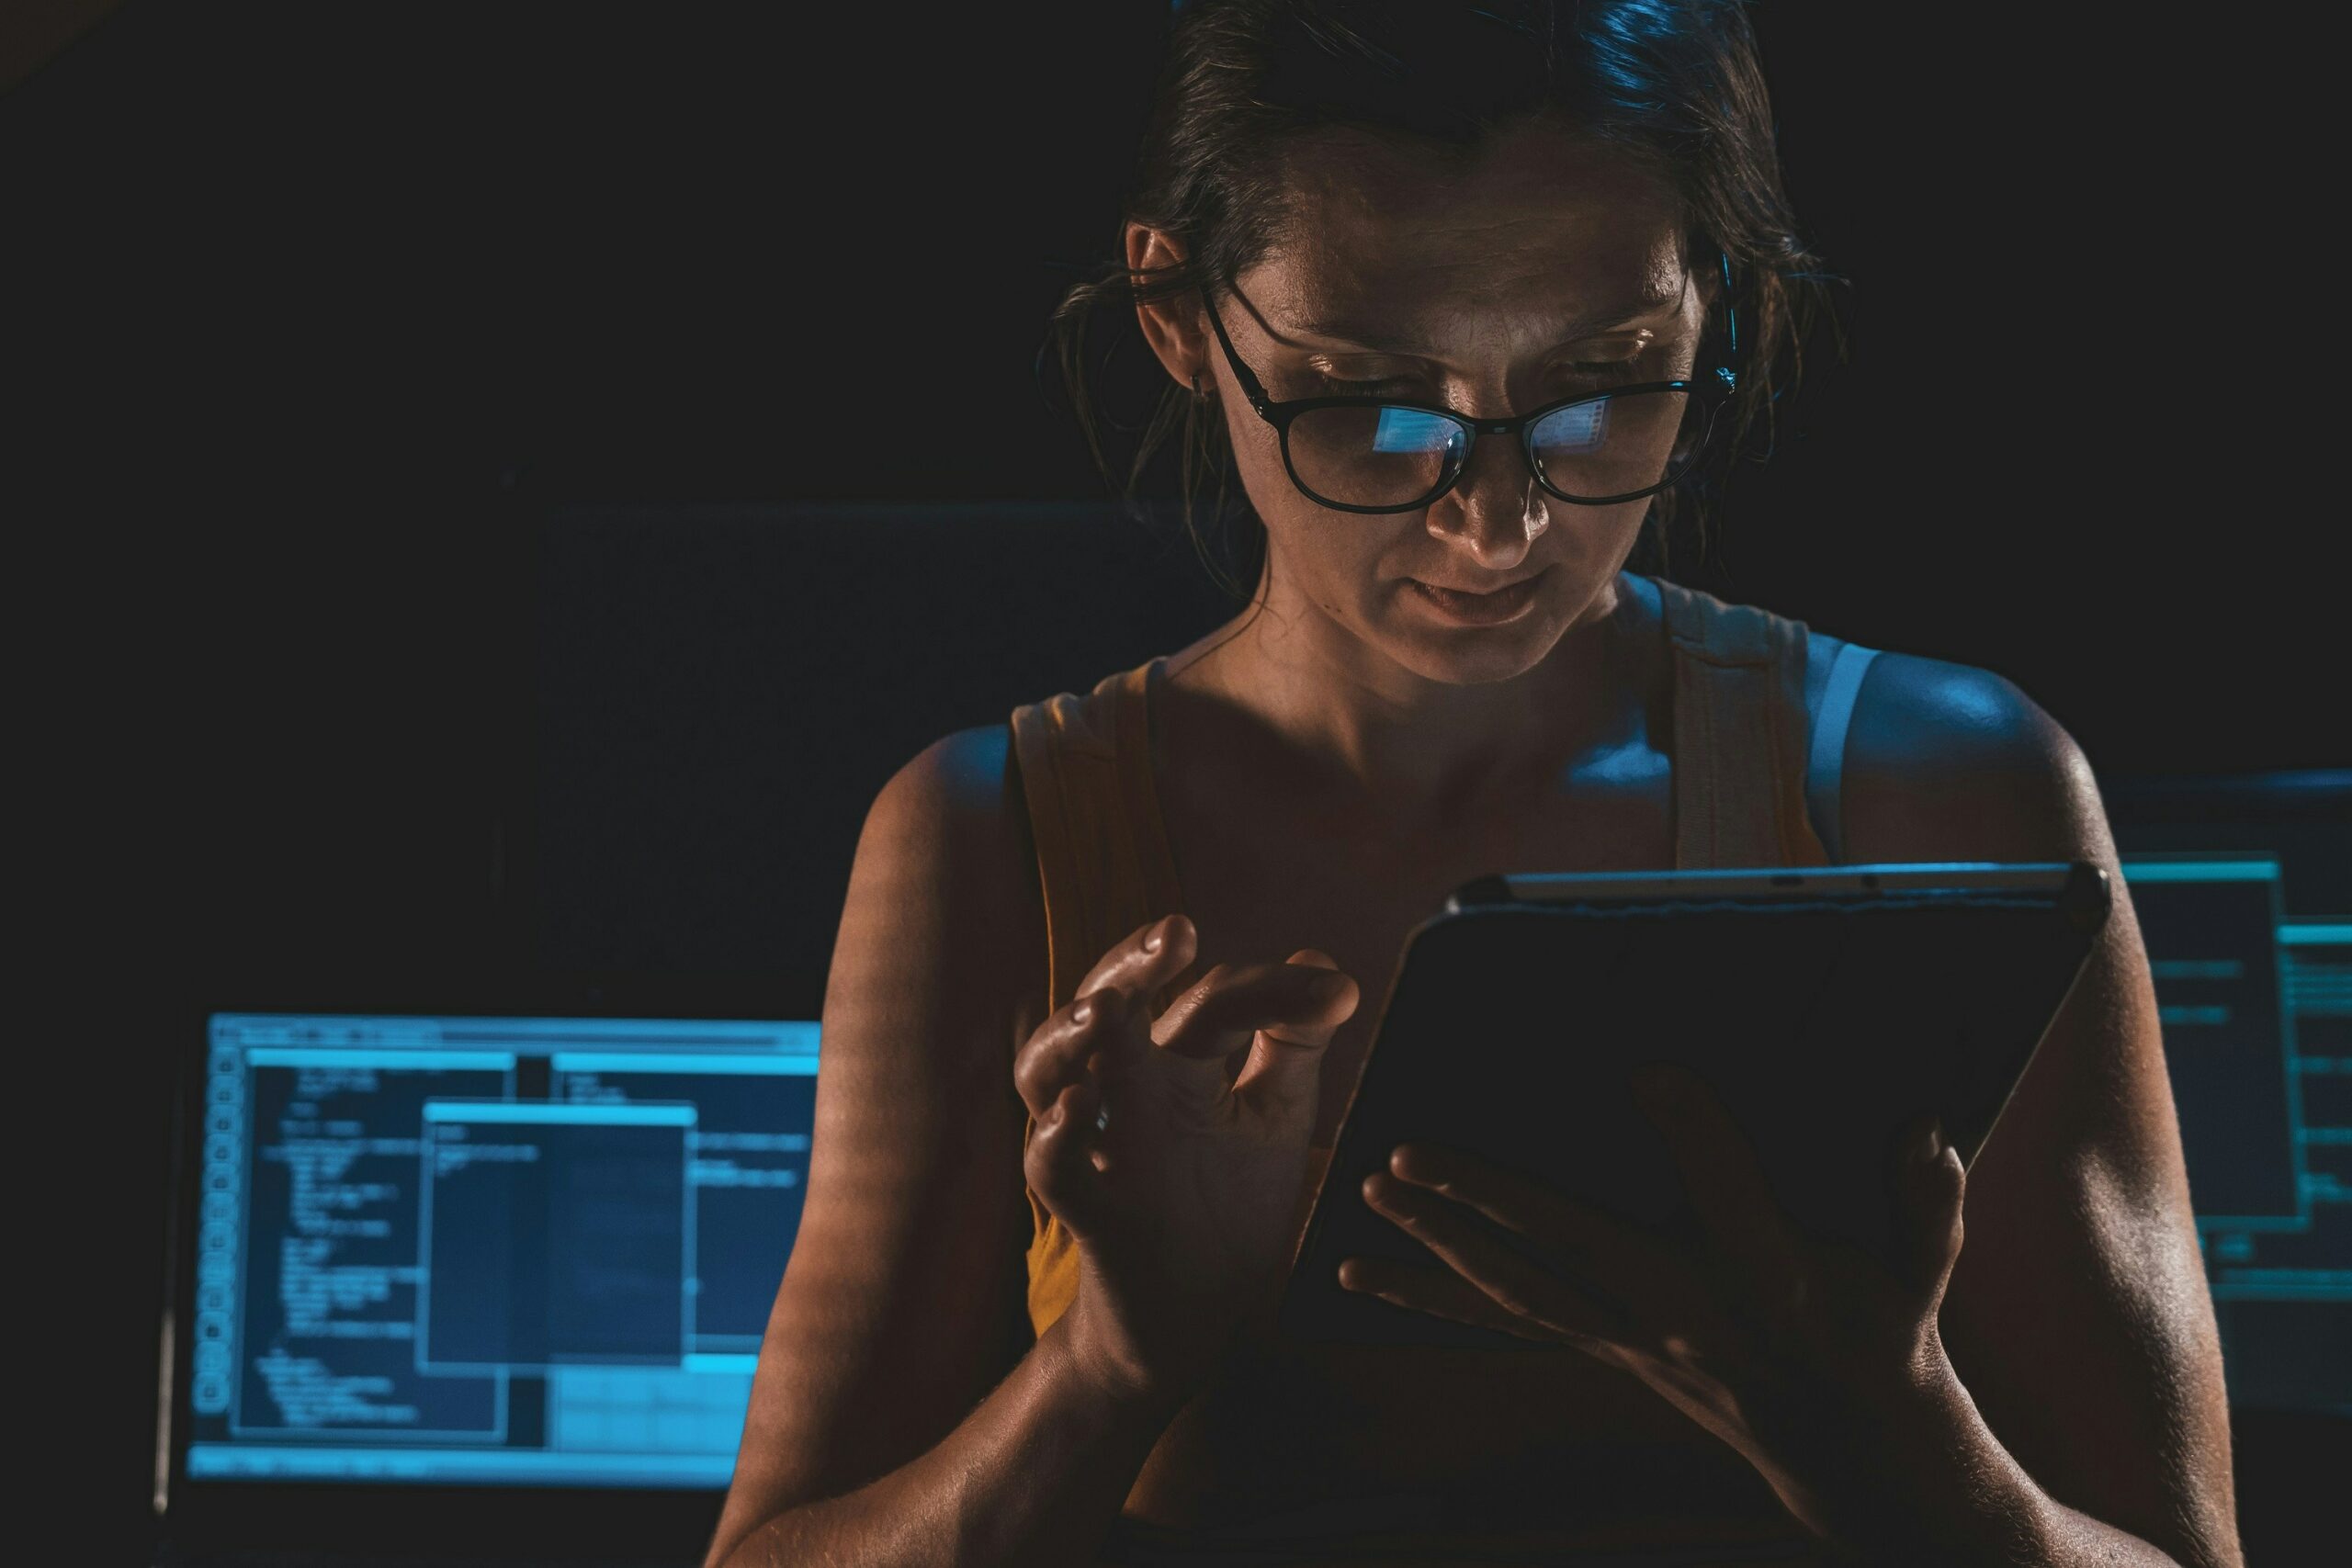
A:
1825, 1009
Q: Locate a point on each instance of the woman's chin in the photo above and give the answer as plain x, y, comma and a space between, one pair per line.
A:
1464, 642
1474, 657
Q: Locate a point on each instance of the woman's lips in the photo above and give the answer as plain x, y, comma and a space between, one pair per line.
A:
1474, 609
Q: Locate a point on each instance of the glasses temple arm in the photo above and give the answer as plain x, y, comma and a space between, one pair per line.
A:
1251, 388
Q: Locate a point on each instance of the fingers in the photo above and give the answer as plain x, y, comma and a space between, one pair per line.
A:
1932, 1187
1149, 957
1643, 1271
1059, 1164
1287, 1011
1519, 1287
1299, 1002
1536, 1211
1057, 1054
1096, 1015
1653, 1292
1287, 1056
1437, 1292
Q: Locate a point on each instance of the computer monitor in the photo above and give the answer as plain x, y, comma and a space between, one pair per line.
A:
2243, 887
429, 1251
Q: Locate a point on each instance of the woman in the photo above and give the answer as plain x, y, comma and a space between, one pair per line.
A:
1025, 1320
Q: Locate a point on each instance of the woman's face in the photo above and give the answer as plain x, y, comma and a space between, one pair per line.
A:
1547, 267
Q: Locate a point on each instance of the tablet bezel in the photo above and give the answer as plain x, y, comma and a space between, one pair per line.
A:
1977, 876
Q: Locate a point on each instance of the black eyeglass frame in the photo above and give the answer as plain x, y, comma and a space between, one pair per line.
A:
1706, 395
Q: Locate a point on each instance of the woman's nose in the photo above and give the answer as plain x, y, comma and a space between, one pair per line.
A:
1496, 509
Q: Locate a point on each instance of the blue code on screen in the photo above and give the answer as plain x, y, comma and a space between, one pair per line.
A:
528, 1251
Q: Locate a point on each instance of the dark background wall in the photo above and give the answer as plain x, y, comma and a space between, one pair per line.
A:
321, 319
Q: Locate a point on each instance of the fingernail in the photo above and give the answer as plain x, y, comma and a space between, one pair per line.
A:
1930, 1147
1158, 938
1083, 1013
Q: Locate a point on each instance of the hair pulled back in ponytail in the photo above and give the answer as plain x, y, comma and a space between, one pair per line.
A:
1676, 82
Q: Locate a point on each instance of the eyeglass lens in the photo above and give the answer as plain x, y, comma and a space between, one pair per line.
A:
1378, 455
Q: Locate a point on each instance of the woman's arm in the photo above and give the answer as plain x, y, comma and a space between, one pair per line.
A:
1034, 1475
2036, 1379
2077, 1317
902, 1302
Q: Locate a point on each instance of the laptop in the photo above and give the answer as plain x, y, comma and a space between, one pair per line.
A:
471, 1285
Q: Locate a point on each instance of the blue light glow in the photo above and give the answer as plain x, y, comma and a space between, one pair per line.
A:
657, 1061
398, 1060
566, 1114
524, 1466
1576, 431
1409, 430
2200, 871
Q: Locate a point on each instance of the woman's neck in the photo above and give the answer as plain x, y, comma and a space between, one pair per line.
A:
1314, 705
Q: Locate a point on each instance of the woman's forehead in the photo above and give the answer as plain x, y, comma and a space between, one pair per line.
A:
1539, 231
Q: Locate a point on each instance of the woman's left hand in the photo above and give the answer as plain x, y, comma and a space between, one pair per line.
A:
1809, 1357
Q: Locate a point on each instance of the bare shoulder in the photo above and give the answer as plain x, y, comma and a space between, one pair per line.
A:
947, 840
961, 791
914, 1192
1950, 761
947, 882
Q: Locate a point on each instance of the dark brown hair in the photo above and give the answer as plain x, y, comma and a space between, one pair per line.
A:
1676, 82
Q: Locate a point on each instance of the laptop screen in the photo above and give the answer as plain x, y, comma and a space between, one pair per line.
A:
524, 1251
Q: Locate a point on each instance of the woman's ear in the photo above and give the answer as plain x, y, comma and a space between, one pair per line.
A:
1173, 326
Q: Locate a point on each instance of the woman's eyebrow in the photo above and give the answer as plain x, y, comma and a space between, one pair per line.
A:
1380, 337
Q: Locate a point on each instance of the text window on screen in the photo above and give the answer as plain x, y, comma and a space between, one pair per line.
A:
532, 1251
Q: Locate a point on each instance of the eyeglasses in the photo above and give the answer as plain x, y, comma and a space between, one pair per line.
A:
1378, 456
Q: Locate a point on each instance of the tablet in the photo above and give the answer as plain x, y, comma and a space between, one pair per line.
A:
1824, 1006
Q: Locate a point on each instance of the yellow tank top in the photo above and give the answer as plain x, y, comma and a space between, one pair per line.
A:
1739, 756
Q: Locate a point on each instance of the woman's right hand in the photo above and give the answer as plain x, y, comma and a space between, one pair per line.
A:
1185, 1200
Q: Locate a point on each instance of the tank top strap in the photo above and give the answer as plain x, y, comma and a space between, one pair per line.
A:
1103, 856
1740, 732
1104, 868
